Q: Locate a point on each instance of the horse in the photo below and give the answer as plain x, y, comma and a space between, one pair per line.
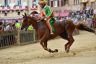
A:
63, 29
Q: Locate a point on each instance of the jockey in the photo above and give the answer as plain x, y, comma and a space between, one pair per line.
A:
47, 13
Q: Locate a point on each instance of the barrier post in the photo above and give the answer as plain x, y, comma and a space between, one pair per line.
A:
18, 37
34, 35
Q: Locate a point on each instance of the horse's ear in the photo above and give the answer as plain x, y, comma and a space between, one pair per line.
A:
22, 15
25, 14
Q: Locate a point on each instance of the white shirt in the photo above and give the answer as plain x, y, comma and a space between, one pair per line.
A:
7, 28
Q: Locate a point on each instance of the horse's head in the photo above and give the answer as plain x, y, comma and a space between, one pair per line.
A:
25, 23
28, 20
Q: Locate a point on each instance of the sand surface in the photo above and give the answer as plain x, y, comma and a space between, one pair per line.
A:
83, 51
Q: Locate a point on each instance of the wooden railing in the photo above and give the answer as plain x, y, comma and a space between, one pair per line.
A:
8, 38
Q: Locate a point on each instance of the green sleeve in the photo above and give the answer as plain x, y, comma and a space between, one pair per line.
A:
47, 11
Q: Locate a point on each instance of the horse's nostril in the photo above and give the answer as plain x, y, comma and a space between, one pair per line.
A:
21, 28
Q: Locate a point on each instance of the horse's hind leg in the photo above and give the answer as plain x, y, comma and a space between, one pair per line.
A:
69, 38
70, 42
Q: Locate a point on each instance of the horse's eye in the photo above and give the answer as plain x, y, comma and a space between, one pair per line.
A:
28, 19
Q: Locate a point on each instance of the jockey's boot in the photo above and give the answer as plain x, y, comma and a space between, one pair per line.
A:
51, 32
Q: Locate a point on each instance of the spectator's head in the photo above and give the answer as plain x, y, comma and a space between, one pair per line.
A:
9, 23
16, 21
1, 23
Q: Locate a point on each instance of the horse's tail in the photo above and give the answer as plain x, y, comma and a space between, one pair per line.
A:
84, 27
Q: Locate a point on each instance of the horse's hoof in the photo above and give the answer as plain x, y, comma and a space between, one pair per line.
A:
56, 50
67, 50
50, 50
94, 31
74, 53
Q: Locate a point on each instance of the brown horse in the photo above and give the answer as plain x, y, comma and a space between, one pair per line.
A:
63, 29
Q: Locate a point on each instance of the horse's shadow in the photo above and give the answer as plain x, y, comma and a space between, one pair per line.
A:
62, 54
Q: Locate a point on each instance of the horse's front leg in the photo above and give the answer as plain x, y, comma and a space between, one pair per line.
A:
44, 45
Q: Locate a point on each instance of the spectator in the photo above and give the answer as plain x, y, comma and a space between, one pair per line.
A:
17, 24
1, 26
30, 27
8, 27
89, 20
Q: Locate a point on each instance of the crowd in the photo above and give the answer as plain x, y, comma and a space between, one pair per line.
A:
86, 16
12, 26
9, 26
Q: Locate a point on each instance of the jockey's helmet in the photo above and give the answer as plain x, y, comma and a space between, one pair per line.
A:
42, 1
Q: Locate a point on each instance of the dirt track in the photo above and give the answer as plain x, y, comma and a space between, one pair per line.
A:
83, 51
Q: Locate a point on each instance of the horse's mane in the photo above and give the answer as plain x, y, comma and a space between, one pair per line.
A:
33, 18
37, 22
34, 12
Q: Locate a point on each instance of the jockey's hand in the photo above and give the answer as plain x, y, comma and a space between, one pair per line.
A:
42, 19
45, 18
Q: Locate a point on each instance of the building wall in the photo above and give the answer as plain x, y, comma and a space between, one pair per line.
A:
11, 13
89, 3
70, 5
